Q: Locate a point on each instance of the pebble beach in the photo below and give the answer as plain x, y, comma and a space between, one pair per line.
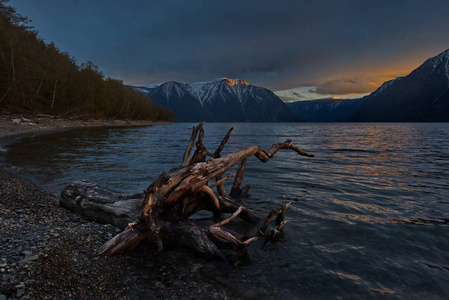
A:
44, 249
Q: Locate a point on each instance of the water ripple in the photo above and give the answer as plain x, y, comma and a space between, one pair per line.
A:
369, 215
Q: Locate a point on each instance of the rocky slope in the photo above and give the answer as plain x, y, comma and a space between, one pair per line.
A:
221, 100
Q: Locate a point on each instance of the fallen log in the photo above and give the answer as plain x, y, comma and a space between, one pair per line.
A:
162, 213
101, 204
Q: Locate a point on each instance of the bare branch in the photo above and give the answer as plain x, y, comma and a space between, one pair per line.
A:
186, 158
217, 153
232, 217
219, 182
236, 192
270, 217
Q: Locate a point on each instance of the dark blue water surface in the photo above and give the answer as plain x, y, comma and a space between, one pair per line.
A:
369, 215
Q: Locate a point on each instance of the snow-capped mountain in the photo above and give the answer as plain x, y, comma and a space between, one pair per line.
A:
220, 100
421, 96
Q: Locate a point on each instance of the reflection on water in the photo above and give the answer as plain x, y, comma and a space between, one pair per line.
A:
369, 215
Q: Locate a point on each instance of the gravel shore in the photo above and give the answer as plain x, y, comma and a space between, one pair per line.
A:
44, 248
13, 126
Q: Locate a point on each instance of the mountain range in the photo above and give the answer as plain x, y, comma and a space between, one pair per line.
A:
421, 96
220, 100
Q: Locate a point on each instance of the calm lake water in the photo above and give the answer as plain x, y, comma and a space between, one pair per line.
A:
369, 215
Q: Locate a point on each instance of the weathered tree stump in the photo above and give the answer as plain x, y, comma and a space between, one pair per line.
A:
162, 213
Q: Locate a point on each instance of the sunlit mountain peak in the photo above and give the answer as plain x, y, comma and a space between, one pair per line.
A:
233, 82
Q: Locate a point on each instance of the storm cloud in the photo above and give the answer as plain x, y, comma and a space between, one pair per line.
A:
337, 46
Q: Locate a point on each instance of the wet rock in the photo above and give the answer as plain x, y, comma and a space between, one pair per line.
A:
20, 293
7, 277
29, 258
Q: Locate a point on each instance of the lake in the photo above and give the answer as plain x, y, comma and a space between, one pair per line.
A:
369, 215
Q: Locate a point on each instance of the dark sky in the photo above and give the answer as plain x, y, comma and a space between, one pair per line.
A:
322, 48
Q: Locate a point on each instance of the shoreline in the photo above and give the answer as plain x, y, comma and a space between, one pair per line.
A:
44, 248
15, 126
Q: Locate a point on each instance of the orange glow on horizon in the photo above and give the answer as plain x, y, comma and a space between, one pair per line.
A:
366, 79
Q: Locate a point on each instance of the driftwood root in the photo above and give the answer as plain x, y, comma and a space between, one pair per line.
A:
162, 215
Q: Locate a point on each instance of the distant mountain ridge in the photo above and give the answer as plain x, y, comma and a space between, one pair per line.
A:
421, 96
220, 100
325, 110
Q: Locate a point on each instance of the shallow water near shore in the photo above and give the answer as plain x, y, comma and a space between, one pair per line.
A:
369, 215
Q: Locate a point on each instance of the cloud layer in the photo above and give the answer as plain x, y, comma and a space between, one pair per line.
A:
338, 46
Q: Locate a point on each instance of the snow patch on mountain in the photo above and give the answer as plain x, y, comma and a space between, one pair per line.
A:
205, 91
442, 58
384, 86
421, 96
221, 99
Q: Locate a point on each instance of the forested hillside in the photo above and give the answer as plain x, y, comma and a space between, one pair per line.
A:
36, 77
